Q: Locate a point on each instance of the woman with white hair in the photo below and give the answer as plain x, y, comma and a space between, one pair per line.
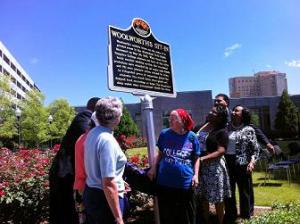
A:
104, 164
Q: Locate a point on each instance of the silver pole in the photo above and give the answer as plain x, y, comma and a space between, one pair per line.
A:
147, 110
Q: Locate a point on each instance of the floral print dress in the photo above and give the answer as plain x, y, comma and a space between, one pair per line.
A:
214, 179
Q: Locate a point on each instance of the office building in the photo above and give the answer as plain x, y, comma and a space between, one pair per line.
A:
20, 81
265, 83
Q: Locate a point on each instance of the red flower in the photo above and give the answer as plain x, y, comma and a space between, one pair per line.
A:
2, 193
135, 159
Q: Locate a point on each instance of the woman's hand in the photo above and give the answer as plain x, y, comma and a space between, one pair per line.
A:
250, 167
119, 221
152, 173
127, 187
195, 181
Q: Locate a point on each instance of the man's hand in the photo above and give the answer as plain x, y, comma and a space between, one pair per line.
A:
270, 148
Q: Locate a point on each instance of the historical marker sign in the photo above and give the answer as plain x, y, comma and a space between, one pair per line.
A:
138, 62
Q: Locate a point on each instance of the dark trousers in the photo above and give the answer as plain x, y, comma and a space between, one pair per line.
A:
176, 205
97, 207
238, 175
61, 200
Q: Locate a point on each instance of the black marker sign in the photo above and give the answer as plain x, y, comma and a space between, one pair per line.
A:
138, 63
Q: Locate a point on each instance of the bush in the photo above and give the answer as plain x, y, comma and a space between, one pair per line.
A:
140, 161
288, 213
131, 142
24, 185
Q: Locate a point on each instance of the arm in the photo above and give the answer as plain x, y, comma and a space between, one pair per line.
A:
195, 179
262, 138
222, 141
152, 172
108, 160
112, 197
220, 151
255, 150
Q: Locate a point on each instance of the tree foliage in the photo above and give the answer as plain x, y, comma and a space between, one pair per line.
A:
255, 119
286, 117
34, 119
7, 117
127, 125
63, 115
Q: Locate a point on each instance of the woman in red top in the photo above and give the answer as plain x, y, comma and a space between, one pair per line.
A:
80, 175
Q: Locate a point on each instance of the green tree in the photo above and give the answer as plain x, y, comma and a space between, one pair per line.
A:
127, 125
34, 119
62, 114
286, 117
255, 119
8, 127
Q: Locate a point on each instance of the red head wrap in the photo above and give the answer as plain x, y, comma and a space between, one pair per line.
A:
186, 119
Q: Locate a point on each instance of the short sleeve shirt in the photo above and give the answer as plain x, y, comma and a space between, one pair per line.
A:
179, 152
103, 158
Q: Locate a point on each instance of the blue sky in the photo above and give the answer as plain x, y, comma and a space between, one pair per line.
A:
62, 44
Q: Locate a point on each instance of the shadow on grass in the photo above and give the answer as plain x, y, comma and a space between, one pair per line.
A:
267, 184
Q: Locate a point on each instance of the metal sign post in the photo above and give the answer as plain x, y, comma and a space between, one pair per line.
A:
140, 64
147, 111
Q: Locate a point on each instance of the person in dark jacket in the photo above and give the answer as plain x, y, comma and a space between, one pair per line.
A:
61, 175
222, 99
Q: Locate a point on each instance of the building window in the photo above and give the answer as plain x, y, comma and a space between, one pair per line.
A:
19, 96
0, 53
6, 59
13, 66
19, 73
0, 68
23, 77
6, 72
19, 85
13, 80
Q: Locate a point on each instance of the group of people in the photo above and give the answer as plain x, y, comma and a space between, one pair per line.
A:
194, 166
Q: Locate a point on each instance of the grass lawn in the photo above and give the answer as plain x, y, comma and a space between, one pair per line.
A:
274, 191
135, 151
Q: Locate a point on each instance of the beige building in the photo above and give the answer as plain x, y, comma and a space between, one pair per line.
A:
20, 81
265, 83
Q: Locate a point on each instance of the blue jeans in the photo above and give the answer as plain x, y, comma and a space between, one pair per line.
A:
97, 207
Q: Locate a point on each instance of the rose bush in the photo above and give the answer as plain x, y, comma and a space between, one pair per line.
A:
24, 184
131, 141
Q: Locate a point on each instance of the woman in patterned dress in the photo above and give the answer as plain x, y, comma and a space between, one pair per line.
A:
214, 179
241, 156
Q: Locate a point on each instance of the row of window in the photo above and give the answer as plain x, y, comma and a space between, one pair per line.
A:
13, 67
13, 79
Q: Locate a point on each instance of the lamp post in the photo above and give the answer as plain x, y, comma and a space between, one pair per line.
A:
50, 119
18, 113
298, 116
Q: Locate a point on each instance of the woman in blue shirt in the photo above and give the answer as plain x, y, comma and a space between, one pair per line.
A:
176, 169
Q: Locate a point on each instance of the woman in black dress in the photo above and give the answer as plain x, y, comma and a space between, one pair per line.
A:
214, 179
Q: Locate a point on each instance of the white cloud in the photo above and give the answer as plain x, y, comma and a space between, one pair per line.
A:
230, 50
269, 66
293, 63
34, 61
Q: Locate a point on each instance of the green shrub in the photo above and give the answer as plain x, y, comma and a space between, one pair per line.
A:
281, 214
